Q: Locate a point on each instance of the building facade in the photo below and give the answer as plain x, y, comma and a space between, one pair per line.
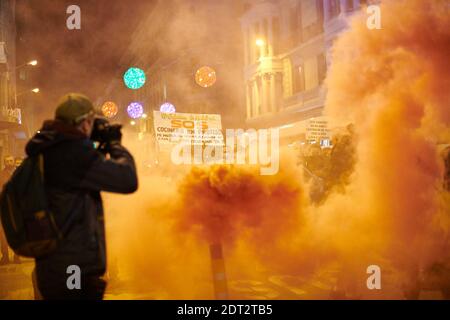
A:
10, 116
287, 53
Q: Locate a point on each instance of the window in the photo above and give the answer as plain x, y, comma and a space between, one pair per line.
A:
312, 18
349, 5
249, 101
255, 50
248, 45
322, 67
276, 35
320, 9
311, 73
294, 24
287, 78
335, 8
309, 13
259, 95
298, 79
265, 35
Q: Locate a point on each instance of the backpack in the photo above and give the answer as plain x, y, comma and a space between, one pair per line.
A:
28, 224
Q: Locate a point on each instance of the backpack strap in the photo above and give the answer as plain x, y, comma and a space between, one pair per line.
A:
40, 159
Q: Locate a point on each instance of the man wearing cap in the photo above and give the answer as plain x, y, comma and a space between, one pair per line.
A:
74, 174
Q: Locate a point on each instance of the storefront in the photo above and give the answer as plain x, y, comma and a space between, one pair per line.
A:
13, 135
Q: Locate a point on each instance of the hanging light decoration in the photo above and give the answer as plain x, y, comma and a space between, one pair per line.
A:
135, 110
167, 107
134, 78
205, 77
109, 109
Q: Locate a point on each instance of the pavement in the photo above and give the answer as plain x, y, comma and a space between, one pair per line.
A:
15, 284
15, 281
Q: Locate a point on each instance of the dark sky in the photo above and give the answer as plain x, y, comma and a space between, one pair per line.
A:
80, 60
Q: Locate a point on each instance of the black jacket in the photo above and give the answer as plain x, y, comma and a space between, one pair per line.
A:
75, 173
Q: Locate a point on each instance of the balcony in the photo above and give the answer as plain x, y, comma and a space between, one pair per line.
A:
10, 117
305, 100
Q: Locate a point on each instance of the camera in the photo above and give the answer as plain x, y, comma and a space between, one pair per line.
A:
104, 132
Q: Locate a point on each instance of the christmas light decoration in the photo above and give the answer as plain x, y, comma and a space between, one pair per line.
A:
134, 78
167, 107
109, 109
205, 77
135, 110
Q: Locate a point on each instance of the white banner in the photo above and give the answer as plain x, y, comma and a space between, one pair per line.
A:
199, 129
317, 129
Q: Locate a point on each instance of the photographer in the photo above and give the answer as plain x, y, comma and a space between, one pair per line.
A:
74, 173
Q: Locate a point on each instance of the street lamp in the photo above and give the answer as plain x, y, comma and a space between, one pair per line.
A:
29, 63
35, 90
260, 42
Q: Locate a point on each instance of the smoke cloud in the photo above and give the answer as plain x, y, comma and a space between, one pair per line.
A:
392, 84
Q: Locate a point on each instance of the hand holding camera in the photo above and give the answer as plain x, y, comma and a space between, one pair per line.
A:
105, 133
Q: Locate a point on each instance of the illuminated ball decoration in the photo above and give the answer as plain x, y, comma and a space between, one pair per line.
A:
167, 107
205, 77
109, 109
134, 78
135, 110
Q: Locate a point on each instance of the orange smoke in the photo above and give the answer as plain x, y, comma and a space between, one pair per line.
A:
393, 85
221, 203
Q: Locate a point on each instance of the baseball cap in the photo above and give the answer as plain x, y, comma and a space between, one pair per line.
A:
74, 108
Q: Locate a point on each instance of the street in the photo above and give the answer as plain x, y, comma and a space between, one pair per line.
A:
15, 284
